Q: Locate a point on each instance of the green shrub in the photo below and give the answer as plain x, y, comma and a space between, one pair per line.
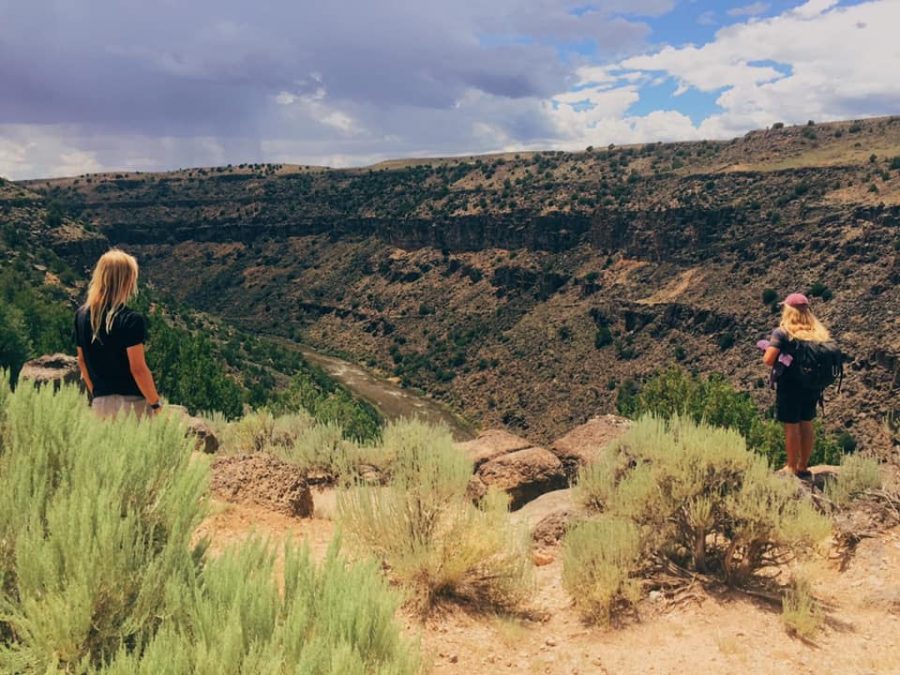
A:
426, 531
769, 296
715, 401
699, 498
95, 526
847, 442
858, 475
97, 573
820, 290
600, 558
313, 391
603, 337
331, 618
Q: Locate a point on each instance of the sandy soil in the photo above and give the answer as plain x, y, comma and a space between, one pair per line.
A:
704, 633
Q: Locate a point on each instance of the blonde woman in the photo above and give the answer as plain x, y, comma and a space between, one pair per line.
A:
804, 364
110, 340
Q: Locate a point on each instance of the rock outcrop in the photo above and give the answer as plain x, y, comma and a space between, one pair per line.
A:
548, 517
54, 369
581, 445
522, 474
264, 480
491, 444
197, 427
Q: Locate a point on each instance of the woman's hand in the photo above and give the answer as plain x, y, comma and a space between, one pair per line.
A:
770, 358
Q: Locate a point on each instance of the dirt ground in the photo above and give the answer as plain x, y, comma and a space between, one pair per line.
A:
703, 633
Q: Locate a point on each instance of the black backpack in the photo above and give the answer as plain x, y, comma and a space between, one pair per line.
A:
816, 365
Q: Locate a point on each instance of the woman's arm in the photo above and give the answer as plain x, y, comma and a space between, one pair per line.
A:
140, 371
770, 358
82, 366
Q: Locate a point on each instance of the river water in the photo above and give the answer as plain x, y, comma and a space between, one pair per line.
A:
390, 399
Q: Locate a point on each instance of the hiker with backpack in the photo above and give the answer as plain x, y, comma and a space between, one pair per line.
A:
110, 341
804, 361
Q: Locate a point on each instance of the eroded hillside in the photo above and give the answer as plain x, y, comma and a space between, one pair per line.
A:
527, 289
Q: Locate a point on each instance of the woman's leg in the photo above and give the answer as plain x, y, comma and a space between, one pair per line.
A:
792, 446
807, 440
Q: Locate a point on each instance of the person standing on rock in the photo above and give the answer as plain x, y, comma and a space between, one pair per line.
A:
804, 362
110, 341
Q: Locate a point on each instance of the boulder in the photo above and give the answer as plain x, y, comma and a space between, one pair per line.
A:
205, 438
548, 517
581, 445
56, 369
264, 480
491, 444
522, 474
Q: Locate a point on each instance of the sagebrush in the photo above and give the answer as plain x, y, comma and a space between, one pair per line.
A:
424, 528
700, 500
97, 571
321, 449
600, 564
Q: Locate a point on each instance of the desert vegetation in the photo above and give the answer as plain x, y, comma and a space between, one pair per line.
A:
99, 575
430, 536
673, 495
714, 400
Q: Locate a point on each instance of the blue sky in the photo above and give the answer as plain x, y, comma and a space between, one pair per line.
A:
92, 85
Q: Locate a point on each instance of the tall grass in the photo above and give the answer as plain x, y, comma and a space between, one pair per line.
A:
433, 540
97, 573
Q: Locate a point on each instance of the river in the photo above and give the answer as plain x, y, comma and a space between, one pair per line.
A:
390, 399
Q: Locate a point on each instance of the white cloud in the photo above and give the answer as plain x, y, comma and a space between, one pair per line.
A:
753, 9
444, 93
818, 61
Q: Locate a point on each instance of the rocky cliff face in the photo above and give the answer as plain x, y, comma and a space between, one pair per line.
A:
527, 289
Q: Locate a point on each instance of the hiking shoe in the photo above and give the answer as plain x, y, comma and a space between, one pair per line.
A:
804, 475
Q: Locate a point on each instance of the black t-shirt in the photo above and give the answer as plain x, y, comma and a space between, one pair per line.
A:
106, 356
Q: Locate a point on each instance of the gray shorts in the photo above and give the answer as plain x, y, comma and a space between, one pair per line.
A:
110, 406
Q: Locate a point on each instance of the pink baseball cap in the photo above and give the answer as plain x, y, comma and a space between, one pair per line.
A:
796, 300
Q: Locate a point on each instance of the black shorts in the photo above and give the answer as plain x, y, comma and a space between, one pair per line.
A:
793, 404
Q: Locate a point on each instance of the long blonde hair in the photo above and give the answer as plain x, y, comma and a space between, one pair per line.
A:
113, 283
801, 324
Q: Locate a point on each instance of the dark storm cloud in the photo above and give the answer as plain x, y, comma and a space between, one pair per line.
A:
213, 66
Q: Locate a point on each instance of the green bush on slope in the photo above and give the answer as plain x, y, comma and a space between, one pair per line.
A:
97, 573
699, 499
715, 401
